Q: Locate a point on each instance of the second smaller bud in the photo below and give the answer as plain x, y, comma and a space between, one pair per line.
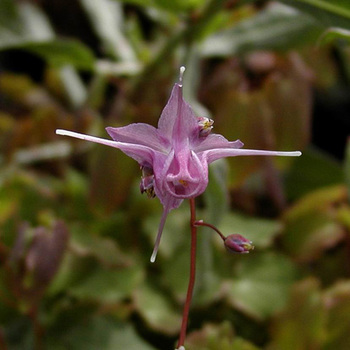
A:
236, 243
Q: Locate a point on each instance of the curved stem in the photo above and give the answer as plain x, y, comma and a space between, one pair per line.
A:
202, 223
192, 275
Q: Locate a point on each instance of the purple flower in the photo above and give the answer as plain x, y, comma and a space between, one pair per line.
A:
175, 156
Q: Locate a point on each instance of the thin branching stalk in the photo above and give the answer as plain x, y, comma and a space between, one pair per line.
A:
205, 224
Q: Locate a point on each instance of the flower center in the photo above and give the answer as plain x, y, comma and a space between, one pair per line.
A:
182, 188
185, 176
183, 183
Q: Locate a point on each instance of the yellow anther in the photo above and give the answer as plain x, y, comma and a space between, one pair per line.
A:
208, 124
183, 183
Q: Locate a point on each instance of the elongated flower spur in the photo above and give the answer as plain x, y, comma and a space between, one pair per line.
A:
174, 157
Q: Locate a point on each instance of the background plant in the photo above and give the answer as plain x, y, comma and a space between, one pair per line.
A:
269, 73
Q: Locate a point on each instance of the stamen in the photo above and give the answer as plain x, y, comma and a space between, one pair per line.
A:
205, 126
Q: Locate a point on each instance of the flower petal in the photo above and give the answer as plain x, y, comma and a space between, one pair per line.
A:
140, 134
177, 120
214, 141
142, 154
215, 154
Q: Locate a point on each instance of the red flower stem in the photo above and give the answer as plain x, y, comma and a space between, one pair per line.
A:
192, 274
202, 223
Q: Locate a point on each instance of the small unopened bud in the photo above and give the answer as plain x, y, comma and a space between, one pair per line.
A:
205, 126
147, 182
236, 243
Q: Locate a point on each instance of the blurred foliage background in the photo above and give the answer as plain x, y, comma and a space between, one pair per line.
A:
75, 233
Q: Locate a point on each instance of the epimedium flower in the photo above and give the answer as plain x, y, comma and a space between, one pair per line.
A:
174, 157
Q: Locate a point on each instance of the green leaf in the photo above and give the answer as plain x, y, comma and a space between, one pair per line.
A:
28, 28
156, 310
72, 85
192, 80
347, 166
337, 303
175, 255
174, 6
175, 233
332, 13
57, 52
145, 3
308, 236
262, 285
176, 271
8, 206
217, 337
109, 186
312, 170
72, 269
321, 200
108, 285
98, 332
8, 16
178, 5
105, 250
261, 231
22, 24
106, 17
333, 34
11, 333
216, 194
216, 200
343, 216
7, 312
277, 27
311, 225
302, 324
62, 52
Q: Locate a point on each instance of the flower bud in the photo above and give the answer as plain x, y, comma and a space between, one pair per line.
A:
236, 243
205, 126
